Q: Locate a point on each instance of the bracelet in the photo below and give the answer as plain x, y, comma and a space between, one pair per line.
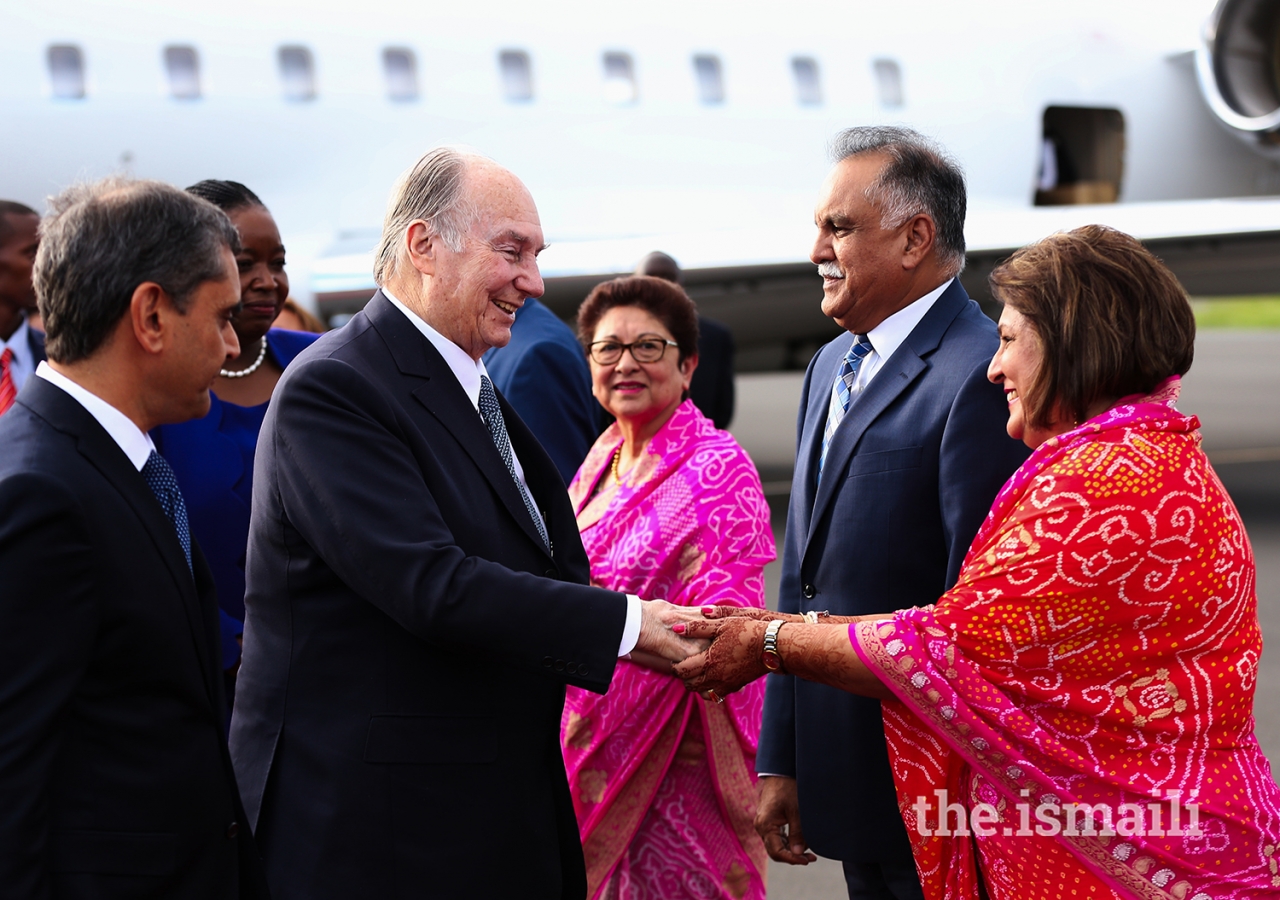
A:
770, 657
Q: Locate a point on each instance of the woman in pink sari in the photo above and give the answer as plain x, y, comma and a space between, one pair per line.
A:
663, 780
1075, 717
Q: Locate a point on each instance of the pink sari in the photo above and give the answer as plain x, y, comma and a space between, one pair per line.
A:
663, 782
1095, 663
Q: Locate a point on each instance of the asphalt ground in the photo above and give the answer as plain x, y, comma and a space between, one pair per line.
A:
1233, 387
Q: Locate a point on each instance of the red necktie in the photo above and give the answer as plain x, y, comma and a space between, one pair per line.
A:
8, 390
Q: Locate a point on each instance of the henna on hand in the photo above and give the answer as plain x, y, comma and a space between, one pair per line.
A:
766, 615
733, 659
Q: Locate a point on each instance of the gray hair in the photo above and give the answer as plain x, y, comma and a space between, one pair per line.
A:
919, 178
101, 240
433, 191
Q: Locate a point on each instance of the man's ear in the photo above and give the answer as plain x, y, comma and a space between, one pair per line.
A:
919, 238
422, 246
151, 311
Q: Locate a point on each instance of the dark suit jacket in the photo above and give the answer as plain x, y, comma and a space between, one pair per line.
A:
408, 636
212, 458
115, 780
543, 373
712, 389
909, 477
35, 340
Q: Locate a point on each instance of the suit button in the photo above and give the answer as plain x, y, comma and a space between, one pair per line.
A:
559, 666
546, 661
809, 591
552, 573
572, 668
232, 830
582, 671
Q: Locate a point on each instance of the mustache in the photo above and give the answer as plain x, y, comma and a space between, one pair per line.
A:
830, 269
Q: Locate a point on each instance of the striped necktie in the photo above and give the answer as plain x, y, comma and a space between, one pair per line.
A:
8, 390
842, 392
492, 414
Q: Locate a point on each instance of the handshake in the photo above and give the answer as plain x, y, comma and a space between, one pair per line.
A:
714, 650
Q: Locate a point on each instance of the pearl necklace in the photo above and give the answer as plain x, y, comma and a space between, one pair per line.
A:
241, 373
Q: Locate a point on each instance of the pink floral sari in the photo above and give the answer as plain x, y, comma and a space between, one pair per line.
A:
1089, 682
663, 782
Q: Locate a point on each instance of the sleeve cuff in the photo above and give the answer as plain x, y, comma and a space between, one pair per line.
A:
631, 630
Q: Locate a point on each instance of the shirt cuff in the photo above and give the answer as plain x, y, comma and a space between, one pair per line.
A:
631, 630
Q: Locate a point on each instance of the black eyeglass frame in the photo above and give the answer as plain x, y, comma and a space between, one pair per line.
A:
623, 348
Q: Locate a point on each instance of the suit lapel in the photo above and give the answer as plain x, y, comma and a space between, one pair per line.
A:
94, 444
894, 377
823, 377
445, 399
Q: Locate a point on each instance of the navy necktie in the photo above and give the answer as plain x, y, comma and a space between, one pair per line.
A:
842, 392
491, 412
164, 484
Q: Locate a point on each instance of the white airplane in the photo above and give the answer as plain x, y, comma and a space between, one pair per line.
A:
697, 127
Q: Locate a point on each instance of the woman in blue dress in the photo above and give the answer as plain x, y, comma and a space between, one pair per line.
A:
213, 456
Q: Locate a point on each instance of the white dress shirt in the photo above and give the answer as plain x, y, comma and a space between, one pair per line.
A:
136, 443
468, 372
888, 336
22, 365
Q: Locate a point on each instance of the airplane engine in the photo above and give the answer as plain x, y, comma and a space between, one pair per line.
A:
1239, 70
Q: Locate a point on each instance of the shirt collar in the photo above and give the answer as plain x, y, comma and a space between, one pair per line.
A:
464, 368
888, 336
136, 444
20, 344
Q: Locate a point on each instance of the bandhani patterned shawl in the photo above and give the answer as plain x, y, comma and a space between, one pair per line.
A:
1101, 647
662, 781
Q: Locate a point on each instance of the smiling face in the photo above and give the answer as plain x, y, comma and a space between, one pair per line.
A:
864, 280
473, 293
263, 284
1014, 367
639, 393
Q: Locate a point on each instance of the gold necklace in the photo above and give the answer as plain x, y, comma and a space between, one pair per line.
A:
617, 455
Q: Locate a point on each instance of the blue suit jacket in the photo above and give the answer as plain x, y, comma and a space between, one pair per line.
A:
909, 477
210, 465
543, 373
35, 340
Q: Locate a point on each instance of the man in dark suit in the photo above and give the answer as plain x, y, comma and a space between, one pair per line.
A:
115, 779
21, 346
542, 372
901, 449
417, 589
712, 390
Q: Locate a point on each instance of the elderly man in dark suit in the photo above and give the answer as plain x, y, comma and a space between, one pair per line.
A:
417, 589
115, 779
21, 346
901, 449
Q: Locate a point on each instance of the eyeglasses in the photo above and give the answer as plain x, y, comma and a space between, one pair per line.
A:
648, 348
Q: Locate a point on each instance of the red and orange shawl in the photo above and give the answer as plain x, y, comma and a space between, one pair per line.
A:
1095, 663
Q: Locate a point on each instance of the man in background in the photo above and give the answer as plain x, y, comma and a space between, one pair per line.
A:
712, 389
542, 372
21, 346
901, 450
115, 779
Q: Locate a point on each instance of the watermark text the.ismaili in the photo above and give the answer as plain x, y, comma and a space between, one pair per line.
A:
938, 816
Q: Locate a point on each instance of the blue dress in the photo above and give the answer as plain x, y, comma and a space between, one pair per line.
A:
213, 460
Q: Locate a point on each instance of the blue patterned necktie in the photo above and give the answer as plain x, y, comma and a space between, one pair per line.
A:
842, 392
164, 484
492, 414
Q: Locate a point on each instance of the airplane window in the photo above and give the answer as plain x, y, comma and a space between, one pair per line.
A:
183, 67
889, 82
710, 78
297, 73
517, 75
619, 78
808, 85
66, 71
401, 68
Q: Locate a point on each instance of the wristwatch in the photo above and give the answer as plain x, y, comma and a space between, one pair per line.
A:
772, 661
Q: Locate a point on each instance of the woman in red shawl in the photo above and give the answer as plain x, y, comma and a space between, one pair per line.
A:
1075, 717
